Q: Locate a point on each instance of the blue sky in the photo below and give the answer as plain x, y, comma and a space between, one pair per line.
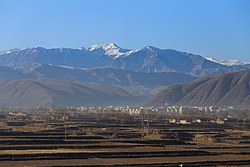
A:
211, 28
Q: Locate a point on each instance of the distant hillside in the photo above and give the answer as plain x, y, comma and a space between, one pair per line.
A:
146, 59
230, 89
137, 83
54, 93
10, 73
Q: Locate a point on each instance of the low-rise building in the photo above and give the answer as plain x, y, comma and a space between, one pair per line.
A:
183, 121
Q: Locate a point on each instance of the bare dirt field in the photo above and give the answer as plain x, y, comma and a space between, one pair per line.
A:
113, 142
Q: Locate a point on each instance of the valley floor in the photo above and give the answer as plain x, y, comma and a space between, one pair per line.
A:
92, 141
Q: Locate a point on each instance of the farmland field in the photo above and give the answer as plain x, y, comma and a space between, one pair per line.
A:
105, 141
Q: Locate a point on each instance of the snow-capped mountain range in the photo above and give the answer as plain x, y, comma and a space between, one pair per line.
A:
146, 59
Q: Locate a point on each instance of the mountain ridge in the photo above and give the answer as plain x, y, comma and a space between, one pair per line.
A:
54, 93
146, 59
229, 89
134, 82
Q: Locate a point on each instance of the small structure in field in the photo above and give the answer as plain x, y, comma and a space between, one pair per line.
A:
172, 121
218, 121
184, 122
197, 121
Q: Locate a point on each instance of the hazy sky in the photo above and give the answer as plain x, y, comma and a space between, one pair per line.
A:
211, 28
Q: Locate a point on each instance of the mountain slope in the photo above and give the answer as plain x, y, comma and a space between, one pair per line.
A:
10, 73
112, 76
137, 83
54, 93
58, 56
230, 89
147, 59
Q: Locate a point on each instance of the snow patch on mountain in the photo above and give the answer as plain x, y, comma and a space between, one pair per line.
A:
109, 49
228, 62
11, 51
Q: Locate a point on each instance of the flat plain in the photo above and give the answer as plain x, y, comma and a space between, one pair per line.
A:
102, 140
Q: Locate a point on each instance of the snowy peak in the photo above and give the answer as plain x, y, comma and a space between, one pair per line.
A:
228, 62
152, 48
107, 46
109, 49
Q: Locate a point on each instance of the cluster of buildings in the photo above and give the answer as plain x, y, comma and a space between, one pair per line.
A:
180, 110
127, 110
197, 121
175, 112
